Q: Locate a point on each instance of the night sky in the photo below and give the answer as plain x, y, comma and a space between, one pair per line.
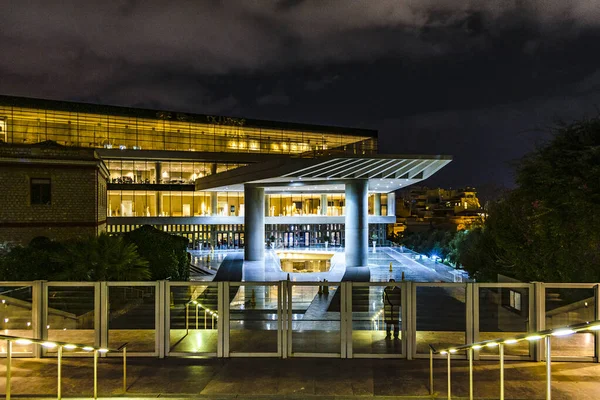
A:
480, 80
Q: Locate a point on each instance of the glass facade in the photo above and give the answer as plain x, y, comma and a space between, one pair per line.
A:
151, 203
162, 131
163, 172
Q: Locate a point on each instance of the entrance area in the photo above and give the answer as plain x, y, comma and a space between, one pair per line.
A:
304, 262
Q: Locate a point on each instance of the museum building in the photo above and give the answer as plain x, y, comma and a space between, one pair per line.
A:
222, 182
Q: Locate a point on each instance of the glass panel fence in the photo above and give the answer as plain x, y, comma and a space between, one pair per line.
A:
315, 317
441, 315
377, 318
71, 315
504, 313
132, 318
193, 318
16, 316
253, 318
567, 306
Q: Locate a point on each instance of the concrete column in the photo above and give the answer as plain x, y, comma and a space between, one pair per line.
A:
376, 203
158, 203
214, 203
254, 223
323, 204
391, 204
158, 169
357, 223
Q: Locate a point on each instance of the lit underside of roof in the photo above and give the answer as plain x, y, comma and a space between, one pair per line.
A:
385, 173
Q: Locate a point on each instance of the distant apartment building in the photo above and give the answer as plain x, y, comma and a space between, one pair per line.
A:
422, 208
51, 190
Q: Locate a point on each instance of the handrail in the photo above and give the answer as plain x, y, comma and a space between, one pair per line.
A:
214, 314
546, 334
534, 336
51, 344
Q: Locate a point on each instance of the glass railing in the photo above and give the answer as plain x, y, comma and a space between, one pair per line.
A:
298, 319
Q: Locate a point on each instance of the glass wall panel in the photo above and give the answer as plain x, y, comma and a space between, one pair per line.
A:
132, 318
377, 319
193, 318
441, 316
504, 313
253, 319
71, 315
16, 316
569, 306
316, 319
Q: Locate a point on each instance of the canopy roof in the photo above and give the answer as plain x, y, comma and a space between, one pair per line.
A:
384, 172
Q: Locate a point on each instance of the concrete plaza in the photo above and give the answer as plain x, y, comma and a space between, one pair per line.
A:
265, 378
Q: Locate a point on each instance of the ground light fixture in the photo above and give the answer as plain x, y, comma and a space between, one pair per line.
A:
592, 326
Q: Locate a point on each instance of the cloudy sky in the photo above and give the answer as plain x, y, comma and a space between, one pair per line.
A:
481, 80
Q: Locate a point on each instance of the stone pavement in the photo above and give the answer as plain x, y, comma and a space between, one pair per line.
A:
264, 378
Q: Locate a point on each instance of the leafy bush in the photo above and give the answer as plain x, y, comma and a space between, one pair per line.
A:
166, 254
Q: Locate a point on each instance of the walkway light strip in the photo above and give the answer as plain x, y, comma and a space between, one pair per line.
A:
531, 337
563, 332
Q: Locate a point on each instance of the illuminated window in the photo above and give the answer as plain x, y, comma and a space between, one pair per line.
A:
40, 191
3, 133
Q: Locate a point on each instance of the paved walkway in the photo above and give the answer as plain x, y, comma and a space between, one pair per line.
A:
262, 378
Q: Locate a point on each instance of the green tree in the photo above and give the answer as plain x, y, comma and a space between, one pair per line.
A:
166, 254
101, 258
32, 262
98, 258
547, 228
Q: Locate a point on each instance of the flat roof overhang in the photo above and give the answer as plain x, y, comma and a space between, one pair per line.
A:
384, 172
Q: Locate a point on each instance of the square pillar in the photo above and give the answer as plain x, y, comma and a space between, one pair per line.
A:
376, 203
323, 204
254, 223
391, 204
357, 223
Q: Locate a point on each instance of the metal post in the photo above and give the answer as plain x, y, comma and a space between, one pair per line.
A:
187, 318
471, 373
449, 379
204, 317
8, 367
197, 318
431, 371
59, 388
213, 321
95, 374
548, 369
501, 351
125, 369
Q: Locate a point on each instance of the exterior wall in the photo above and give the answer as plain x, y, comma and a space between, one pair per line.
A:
78, 190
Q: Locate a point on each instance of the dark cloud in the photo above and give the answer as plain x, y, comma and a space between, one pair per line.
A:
446, 76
